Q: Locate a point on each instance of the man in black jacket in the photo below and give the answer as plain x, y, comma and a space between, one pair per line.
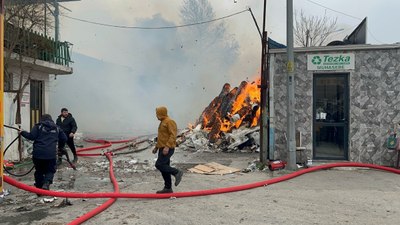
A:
45, 135
68, 125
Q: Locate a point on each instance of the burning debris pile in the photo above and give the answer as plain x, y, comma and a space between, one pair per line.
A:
229, 122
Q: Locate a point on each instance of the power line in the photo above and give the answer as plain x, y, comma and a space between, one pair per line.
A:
153, 28
368, 30
316, 3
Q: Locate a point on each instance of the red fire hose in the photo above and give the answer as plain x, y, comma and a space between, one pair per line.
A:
105, 205
193, 193
116, 194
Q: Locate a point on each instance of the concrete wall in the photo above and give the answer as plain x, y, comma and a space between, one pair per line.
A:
374, 102
10, 110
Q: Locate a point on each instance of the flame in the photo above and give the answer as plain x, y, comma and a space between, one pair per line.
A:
246, 99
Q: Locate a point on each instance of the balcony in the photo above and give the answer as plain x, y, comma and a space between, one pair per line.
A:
36, 46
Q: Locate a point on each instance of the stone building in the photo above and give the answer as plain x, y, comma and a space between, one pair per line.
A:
347, 99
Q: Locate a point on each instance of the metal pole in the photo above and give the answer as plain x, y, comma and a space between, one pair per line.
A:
290, 89
264, 98
56, 21
45, 18
1, 93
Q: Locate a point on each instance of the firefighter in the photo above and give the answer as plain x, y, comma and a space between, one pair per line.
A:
45, 136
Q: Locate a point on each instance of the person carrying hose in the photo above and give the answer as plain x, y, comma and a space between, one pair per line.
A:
45, 136
68, 125
166, 143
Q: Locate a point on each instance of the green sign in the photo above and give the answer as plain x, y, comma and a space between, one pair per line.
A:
331, 62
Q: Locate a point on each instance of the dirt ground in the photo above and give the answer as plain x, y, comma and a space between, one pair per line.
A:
337, 196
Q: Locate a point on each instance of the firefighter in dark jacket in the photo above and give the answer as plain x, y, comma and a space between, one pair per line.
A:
68, 125
45, 136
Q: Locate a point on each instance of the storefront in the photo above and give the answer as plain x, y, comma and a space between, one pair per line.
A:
347, 100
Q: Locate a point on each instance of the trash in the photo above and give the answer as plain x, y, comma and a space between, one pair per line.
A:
49, 200
133, 161
213, 168
6, 192
251, 168
8, 165
64, 203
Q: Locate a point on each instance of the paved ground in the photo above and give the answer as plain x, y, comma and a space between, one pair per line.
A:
338, 196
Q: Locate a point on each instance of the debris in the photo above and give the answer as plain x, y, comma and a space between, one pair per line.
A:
49, 200
23, 209
64, 203
213, 168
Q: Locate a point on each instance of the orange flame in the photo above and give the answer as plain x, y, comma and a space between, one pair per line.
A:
244, 110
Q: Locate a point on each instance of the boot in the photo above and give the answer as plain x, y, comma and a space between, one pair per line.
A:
75, 160
178, 177
164, 191
38, 186
46, 186
59, 161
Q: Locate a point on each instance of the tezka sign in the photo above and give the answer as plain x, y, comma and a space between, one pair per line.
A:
331, 62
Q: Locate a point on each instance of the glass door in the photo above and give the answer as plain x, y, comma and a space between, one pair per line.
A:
330, 116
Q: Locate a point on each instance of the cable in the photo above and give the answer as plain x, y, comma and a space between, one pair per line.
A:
316, 3
368, 30
153, 28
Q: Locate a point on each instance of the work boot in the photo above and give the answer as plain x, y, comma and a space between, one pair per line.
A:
75, 160
164, 191
59, 161
178, 177
46, 186
38, 186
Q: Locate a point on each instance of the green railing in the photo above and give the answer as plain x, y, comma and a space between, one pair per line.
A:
36, 46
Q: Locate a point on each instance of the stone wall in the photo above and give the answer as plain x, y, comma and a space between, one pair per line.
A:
374, 103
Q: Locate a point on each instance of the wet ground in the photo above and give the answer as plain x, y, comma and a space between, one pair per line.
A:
339, 196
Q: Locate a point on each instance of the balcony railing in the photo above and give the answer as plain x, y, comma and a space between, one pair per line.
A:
37, 46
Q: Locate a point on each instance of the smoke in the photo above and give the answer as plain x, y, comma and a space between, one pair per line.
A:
173, 68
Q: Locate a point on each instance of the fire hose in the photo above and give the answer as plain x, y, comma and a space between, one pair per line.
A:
105, 205
6, 149
33, 166
116, 194
194, 193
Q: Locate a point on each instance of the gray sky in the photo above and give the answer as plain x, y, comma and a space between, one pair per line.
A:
169, 67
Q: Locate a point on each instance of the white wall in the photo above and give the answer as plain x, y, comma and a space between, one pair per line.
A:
10, 109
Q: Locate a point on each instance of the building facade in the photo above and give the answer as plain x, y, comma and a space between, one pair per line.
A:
35, 72
347, 101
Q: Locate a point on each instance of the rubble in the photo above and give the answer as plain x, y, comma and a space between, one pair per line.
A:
229, 123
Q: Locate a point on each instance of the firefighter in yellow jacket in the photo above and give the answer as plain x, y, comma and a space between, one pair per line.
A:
166, 143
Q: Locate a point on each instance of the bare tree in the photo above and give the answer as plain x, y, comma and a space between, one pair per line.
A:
313, 30
23, 24
211, 35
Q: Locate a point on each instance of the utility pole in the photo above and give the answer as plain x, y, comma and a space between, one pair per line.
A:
290, 88
264, 104
1, 94
56, 21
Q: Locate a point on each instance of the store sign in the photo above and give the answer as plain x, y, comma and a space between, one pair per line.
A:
331, 62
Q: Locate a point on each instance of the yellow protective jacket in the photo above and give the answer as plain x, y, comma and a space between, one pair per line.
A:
166, 130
